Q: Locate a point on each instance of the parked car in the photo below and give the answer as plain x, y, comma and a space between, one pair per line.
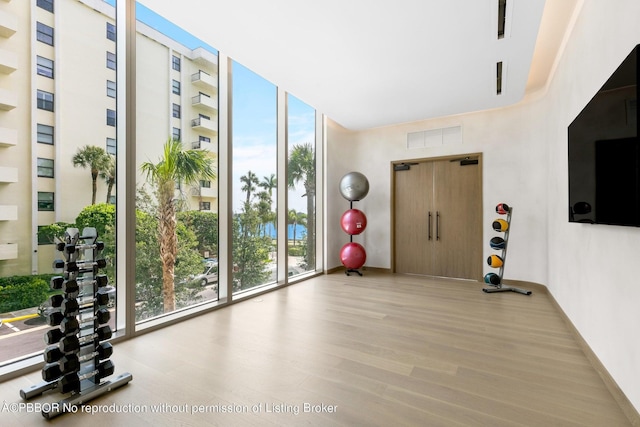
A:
209, 275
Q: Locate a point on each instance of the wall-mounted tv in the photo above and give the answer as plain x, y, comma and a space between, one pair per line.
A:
604, 152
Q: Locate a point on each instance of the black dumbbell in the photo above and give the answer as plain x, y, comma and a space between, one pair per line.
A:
72, 305
71, 248
59, 282
79, 265
71, 362
71, 343
53, 354
67, 364
70, 325
71, 382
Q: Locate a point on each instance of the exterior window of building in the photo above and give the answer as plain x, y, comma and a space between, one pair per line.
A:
45, 167
111, 146
44, 239
111, 117
45, 4
44, 33
175, 63
111, 31
302, 188
111, 60
205, 184
254, 170
111, 89
204, 139
44, 67
176, 111
45, 100
45, 201
45, 134
205, 206
175, 87
176, 134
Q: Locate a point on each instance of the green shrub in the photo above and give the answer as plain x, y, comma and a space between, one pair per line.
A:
20, 292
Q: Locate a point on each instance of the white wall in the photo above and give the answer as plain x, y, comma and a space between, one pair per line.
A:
591, 270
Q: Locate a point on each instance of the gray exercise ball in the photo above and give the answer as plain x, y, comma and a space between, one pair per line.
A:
354, 186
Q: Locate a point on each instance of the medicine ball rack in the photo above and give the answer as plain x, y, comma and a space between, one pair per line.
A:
352, 270
77, 356
500, 287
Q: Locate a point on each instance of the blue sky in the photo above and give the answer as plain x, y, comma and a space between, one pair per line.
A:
254, 114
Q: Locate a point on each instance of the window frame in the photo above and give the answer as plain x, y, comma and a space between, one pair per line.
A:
176, 88
45, 34
39, 133
43, 103
176, 63
43, 204
111, 89
45, 167
176, 111
112, 62
111, 117
45, 4
44, 66
111, 31
111, 148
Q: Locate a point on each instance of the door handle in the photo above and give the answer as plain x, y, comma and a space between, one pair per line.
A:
429, 225
437, 225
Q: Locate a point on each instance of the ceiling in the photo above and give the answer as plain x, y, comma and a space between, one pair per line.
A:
372, 63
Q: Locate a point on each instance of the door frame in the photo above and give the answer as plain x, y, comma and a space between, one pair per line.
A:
392, 203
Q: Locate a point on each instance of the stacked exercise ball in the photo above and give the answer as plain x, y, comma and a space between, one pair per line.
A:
354, 186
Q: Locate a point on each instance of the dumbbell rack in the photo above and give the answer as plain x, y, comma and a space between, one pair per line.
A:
500, 287
79, 343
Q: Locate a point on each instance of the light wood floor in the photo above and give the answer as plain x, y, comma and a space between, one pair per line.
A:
378, 350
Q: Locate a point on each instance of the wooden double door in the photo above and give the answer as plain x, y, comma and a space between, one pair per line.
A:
437, 217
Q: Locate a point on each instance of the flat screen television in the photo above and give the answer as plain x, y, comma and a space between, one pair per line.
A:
604, 152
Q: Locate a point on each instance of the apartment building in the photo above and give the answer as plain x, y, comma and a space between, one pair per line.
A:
58, 92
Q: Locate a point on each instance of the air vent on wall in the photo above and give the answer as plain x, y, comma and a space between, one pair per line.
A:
502, 17
435, 137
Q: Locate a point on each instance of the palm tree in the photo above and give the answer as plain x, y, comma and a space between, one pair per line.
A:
250, 181
269, 183
109, 175
302, 168
96, 160
176, 166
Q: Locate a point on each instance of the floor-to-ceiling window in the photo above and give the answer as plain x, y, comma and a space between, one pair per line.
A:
176, 165
254, 180
301, 233
64, 162
57, 158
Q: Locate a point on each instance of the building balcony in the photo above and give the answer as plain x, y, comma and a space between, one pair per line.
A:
8, 137
204, 80
8, 100
8, 24
204, 57
8, 61
204, 102
8, 251
8, 175
8, 213
210, 192
202, 124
